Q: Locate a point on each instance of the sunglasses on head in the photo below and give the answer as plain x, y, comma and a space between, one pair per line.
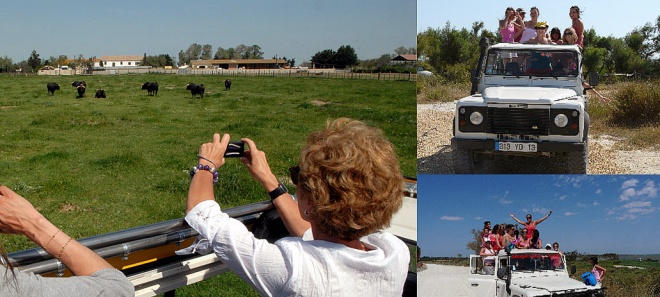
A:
294, 172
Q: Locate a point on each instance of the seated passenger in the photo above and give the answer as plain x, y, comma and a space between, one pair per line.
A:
488, 255
565, 66
539, 64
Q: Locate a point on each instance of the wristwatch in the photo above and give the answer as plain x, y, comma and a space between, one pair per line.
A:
281, 189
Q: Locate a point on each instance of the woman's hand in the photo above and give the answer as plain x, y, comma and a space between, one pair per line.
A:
214, 151
256, 163
17, 215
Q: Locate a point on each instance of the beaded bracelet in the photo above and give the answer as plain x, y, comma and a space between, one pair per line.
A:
208, 168
59, 256
51, 239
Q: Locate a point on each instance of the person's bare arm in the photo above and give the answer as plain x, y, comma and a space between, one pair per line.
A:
18, 216
517, 220
201, 185
256, 162
542, 219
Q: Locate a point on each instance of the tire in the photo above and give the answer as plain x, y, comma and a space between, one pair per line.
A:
577, 162
466, 161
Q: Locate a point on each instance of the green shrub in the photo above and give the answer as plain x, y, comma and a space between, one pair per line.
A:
636, 104
457, 73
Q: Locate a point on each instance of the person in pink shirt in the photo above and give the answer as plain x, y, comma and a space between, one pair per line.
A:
509, 24
530, 225
597, 270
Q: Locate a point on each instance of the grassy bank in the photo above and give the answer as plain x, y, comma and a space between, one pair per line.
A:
94, 166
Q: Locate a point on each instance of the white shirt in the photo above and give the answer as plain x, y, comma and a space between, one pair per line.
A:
296, 267
528, 34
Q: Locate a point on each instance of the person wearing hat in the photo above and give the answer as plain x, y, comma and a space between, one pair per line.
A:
488, 255
548, 247
541, 29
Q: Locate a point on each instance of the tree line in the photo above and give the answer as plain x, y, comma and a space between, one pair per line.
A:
451, 53
344, 57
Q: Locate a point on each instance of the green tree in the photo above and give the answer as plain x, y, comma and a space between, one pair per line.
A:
475, 245
254, 52
207, 52
324, 57
345, 57
6, 64
34, 61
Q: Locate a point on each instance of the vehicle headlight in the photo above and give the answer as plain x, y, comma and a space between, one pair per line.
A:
476, 118
561, 120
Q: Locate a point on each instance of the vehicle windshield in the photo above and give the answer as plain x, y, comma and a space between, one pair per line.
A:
534, 262
556, 63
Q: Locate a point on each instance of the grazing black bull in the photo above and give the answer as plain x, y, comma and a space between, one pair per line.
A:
77, 83
151, 87
100, 93
227, 84
81, 90
52, 87
196, 89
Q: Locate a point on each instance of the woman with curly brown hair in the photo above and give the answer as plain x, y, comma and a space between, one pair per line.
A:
348, 186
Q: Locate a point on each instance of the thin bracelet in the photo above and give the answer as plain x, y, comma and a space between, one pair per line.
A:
51, 239
59, 257
200, 157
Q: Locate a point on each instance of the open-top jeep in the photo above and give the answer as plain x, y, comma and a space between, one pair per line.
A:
527, 99
529, 273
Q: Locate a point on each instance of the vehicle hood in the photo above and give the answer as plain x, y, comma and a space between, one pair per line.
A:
550, 283
532, 95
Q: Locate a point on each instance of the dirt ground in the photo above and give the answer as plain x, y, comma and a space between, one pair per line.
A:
435, 156
444, 280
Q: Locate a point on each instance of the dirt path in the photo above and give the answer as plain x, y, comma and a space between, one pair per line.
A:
435, 156
444, 280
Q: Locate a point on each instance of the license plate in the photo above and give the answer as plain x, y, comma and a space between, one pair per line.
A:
525, 147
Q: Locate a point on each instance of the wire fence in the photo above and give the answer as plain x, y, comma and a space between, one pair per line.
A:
294, 73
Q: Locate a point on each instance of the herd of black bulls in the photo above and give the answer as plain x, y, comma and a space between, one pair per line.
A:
151, 87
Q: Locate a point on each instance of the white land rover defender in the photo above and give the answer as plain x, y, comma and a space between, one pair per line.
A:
529, 273
527, 99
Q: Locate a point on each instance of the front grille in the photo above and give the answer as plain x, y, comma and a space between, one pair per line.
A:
519, 121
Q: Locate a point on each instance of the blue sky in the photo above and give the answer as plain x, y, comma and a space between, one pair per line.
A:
292, 28
592, 213
608, 17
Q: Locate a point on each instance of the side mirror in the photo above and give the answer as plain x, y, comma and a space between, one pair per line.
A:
503, 273
573, 269
593, 78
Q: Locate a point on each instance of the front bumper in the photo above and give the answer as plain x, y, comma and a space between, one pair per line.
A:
489, 145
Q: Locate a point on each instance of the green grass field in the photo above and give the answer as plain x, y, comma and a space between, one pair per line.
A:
94, 166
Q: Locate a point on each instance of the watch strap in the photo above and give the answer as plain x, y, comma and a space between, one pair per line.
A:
279, 191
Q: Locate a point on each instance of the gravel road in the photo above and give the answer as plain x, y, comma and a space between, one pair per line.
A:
444, 280
435, 156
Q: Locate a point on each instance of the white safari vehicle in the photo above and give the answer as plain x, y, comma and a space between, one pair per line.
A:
528, 273
527, 99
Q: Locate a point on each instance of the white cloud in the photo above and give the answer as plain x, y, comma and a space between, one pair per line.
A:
649, 190
629, 183
505, 201
599, 191
637, 204
568, 213
477, 218
451, 218
626, 194
563, 197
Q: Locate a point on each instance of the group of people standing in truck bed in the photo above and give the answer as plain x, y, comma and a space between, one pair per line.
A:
514, 28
